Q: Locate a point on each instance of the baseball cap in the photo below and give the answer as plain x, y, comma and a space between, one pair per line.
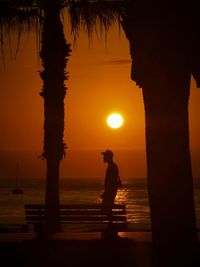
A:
108, 153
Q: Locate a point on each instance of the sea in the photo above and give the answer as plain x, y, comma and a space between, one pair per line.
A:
133, 193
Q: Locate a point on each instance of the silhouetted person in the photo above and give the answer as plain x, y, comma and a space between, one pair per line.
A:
110, 185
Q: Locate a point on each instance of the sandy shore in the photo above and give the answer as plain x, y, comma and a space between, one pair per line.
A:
88, 250
87, 253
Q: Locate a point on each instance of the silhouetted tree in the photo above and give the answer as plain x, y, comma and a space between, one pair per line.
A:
54, 55
163, 45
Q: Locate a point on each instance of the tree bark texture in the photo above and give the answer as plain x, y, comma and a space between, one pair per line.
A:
161, 66
54, 55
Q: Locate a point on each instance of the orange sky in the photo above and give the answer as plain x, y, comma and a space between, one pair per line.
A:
99, 84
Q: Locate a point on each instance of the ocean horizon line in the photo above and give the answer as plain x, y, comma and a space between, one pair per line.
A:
10, 182
65, 180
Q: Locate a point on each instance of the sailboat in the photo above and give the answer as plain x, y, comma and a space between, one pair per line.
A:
17, 189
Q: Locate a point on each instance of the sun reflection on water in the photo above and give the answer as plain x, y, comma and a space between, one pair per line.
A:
137, 207
122, 195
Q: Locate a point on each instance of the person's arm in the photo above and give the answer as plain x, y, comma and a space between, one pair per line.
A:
119, 182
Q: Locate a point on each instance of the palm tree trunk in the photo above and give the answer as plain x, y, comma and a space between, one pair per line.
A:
169, 173
170, 183
54, 53
161, 68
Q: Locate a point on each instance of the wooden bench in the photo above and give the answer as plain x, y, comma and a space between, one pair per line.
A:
77, 214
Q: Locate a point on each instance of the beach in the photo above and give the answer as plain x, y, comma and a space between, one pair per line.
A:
87, 249
93, 252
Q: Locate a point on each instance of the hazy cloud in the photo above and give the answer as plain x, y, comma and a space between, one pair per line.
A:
116, 62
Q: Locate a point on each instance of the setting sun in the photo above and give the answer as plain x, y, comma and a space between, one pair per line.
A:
115, 120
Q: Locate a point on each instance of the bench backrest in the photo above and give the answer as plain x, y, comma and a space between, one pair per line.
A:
77, 213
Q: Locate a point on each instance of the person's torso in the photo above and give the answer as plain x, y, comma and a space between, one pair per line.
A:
111, 177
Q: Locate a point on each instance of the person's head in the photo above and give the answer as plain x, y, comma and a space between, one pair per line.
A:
107, 156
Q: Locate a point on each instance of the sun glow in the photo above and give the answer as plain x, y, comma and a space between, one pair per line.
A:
115, 120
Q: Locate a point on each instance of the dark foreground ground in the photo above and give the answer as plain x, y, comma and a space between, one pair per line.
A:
136, 251
122, 252
75, 253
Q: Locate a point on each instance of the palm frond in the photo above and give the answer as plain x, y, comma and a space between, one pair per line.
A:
18, 16
28, 15
93, 15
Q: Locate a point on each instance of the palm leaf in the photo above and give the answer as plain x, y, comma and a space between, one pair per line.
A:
28, 15
93, 15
